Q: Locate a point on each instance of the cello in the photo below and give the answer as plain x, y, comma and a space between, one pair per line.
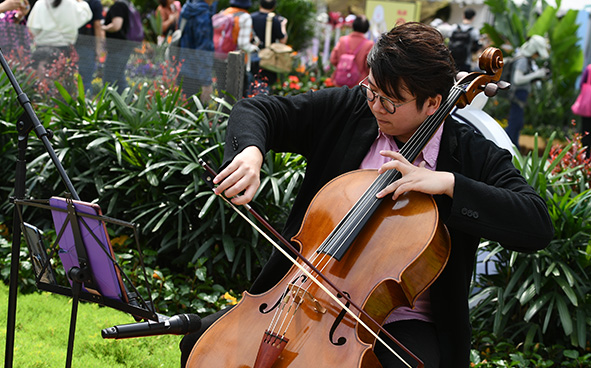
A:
343, 237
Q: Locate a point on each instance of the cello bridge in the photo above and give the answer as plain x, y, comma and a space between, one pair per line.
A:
300, 295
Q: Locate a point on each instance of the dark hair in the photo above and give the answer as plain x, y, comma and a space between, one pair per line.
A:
268, 4
361, 24
469, 13
412, 56
56, 3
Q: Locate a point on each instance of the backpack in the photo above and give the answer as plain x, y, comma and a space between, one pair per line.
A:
460, 44
195, 30
347, 73
135, 28
225, 31
276, 57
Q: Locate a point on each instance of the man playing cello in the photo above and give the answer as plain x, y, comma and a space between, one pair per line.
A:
477, 190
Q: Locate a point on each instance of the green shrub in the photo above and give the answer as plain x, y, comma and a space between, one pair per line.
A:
137, 155
544, 296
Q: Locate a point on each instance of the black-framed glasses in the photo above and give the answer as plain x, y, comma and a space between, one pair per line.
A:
371, 95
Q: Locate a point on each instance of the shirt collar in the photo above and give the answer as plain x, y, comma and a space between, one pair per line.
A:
429, 153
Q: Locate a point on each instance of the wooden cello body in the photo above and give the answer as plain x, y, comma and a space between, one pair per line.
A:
393, 260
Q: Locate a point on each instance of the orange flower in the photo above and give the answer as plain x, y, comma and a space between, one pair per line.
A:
328, 82
301, 68
157, 275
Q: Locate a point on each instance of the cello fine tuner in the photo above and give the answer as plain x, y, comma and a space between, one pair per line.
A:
300, 295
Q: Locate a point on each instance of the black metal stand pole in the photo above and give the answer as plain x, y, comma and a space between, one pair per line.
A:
27, 122
77, 276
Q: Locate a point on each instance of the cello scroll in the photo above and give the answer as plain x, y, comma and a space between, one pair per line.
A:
491, 62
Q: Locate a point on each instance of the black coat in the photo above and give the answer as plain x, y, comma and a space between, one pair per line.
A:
334, 128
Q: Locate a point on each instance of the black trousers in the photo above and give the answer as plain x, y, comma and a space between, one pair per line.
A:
417, 336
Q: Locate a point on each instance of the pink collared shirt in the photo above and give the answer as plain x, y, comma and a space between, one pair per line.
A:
373, 160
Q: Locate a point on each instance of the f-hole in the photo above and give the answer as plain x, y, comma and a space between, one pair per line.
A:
341, 340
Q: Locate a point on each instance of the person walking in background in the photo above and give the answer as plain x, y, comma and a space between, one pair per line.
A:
232, 29
464, 41
582, 107
118, 50
170, 13
349, 56
523, 72
196, 50
55, 23
90, 43
278, 34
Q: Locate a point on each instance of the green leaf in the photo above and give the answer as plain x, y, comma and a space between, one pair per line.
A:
581, 327
229, 247
568, 290
201, 273
207, 205
572, 354
527, 295
515, 277
563, 313
544, 22
536, 306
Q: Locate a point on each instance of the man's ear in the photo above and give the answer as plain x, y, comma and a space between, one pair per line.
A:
432, 104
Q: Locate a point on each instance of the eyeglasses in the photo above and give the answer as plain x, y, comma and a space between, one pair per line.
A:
371, 95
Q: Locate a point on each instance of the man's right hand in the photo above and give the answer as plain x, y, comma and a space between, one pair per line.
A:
240, 180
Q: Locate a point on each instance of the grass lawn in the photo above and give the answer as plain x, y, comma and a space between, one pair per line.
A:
42, 328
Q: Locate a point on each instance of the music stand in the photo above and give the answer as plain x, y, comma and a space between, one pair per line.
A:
84, 249
82, 274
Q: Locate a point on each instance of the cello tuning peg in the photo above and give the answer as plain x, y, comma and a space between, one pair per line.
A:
503, 85
491, 89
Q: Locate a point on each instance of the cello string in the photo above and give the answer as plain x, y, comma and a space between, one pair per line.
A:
291, 319
317, 282
279, 312
295, 307
292, 304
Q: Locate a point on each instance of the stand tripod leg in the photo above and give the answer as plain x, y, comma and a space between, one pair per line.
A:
19, 193
76, 275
